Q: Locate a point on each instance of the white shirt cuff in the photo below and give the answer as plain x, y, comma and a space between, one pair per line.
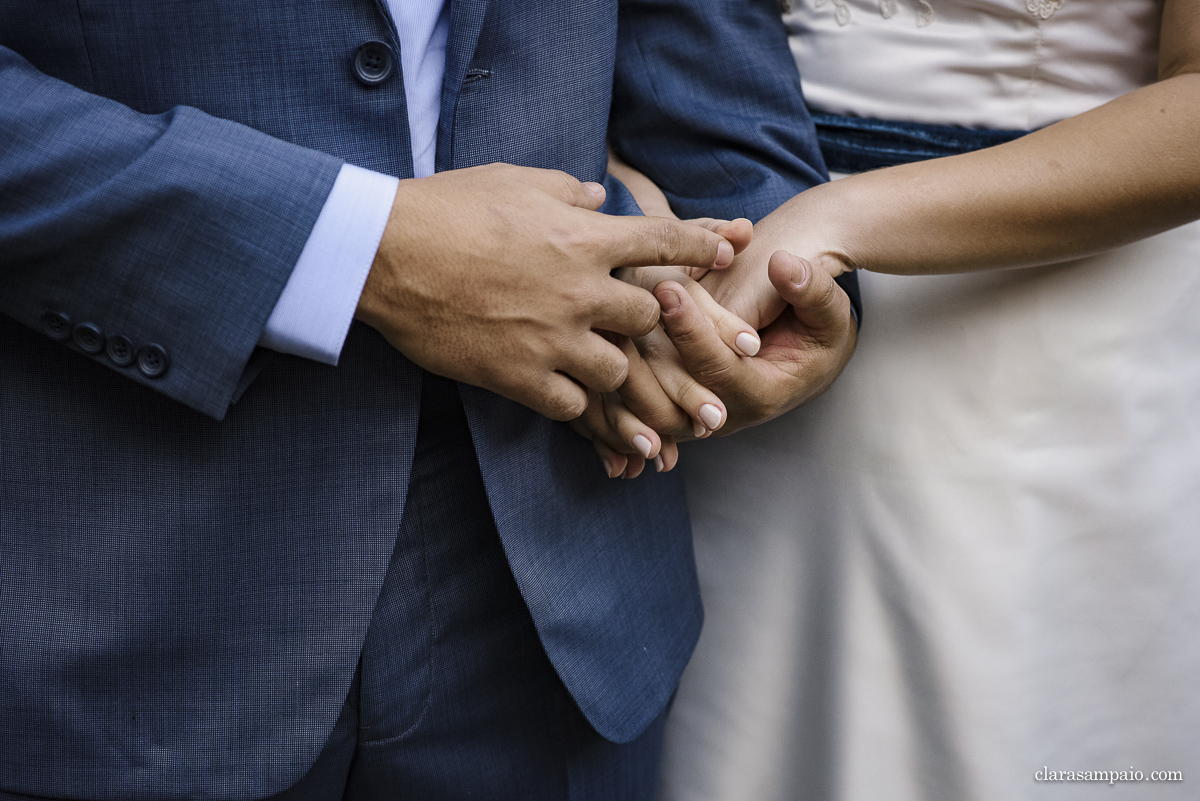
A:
313, 315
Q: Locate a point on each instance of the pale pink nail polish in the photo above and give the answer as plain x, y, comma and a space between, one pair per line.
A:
748, 344
711, 416
643, 445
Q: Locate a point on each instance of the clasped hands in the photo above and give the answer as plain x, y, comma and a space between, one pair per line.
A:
735, 347
508, 278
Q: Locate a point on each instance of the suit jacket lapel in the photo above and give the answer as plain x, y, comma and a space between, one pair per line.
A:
466, 21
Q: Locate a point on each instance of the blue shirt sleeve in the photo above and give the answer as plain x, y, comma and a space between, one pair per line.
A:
314, 312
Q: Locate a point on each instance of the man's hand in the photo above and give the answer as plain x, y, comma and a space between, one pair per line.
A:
498, 276
803, 350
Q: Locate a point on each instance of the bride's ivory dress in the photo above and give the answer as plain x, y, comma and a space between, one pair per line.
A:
978, 554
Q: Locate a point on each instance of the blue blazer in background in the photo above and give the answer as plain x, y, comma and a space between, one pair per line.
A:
193, 532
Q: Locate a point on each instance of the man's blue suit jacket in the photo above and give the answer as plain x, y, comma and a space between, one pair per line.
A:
188, 562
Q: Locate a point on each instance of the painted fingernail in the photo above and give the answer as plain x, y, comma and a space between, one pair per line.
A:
659, 465
711, 416
748, 344
643, 445
724, 254
698, 430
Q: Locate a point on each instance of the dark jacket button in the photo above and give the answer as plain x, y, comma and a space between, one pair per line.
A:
373, 63
57, 326
153, 361
119, 350
88, 338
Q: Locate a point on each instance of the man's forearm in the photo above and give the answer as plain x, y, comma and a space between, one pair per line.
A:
176, 230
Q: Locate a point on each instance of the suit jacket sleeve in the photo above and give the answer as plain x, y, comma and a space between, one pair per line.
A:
178, 230
707, 103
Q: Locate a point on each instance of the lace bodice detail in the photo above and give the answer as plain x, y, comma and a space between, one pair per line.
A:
1011, 64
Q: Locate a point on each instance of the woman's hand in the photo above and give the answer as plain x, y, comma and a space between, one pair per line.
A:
660, 403
803, 349
807, 226
623, 443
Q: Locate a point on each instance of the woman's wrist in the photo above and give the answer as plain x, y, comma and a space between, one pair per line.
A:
817, 225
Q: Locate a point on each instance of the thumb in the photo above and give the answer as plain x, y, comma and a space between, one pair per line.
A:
591, 197
564, 186
818, 302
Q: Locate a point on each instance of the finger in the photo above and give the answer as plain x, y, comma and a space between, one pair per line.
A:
636, 434
596, 195
646, 277
819, 303
580, 429
564, 186
644, 396
734, 331
614, 463
596, 363
668, 457
700, 409
549, 394
640, 241
704, 355
739, 232
594, 425
625, 309
636, 465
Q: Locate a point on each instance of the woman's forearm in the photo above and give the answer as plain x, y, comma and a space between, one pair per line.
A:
1124, 171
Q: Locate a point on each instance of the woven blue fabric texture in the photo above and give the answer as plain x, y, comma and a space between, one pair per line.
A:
856, 144
193, 535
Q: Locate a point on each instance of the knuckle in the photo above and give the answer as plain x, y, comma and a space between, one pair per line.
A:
612, 374
674, 425
576, 245
644, 314
829, 295
690, 393
651, 348
691, 340
660, 414
575, 407
668, 241
565, 407
565, 183
712, 372
579, 297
